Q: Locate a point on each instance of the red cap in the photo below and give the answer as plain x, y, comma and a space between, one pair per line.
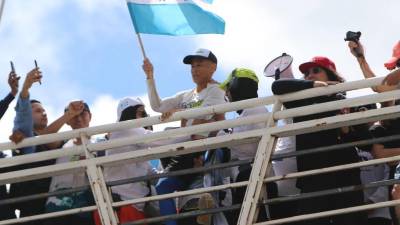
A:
391, 64
318, 61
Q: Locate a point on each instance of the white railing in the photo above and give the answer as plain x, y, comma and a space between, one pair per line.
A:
266, 137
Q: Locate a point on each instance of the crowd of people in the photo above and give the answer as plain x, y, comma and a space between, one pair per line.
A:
241, 84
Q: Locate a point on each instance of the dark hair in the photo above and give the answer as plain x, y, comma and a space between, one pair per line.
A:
333, 76
34, 101
129, 113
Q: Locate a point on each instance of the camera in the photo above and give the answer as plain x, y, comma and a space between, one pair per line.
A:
353, 36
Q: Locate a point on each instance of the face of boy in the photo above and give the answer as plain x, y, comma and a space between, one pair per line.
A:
80, 121
202, 70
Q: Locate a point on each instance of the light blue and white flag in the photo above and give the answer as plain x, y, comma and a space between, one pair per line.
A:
174, 17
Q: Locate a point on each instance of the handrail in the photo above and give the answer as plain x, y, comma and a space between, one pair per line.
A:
192, 113
93, 166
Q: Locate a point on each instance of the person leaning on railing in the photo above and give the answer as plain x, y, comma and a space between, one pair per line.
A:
242, 84
369, 174
31, 120
391, 82
130, 109
320, 72
5, 211
206, 93
13, 83
79, 199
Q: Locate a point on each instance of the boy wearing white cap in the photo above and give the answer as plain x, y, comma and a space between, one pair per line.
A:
129, 109
206, 93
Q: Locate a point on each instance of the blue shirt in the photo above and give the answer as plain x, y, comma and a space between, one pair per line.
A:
23, 122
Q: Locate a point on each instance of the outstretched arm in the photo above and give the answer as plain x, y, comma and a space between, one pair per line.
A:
13, 83
23, 121
156, 103
365, 68
74, 108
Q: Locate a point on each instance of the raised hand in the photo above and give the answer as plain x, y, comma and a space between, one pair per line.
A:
17, 136
148, 68
13, 82
33, 76
74, 108
356, 48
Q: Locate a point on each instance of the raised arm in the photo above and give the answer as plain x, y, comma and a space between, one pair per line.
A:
365, 68
13, 83
74, 108
23, 121
158, 104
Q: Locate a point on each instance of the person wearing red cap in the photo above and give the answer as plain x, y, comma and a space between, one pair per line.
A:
357, 49
393, 78
318, 72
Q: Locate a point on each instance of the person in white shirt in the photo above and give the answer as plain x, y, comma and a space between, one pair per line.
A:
67, 181
206, 93
129, 109
370, 174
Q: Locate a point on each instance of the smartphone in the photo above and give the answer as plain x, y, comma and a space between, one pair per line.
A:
36, 66
12, 67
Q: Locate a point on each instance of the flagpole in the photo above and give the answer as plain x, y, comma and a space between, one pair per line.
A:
141, 45
3, 2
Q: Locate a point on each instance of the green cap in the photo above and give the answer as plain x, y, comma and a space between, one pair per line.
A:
239, 73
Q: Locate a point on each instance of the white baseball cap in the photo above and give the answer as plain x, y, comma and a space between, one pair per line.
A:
201, 53
125, 103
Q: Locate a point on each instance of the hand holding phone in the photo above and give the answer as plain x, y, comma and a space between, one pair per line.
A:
13, 80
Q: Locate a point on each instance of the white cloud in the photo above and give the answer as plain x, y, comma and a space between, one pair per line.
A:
258, 31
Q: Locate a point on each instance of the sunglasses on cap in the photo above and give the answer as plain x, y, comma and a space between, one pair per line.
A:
313, 70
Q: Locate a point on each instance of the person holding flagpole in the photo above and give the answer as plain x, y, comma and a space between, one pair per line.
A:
206, 93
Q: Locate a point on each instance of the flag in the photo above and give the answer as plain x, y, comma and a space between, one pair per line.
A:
174, 17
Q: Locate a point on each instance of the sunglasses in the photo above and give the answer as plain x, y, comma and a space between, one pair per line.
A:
142, 113
313, 70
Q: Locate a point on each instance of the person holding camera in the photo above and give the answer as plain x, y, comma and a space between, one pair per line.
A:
357, 50
320, 71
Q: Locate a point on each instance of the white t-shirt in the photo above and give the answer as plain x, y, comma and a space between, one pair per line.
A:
67, 181
211, 95
371, 174
133, 169
248, 151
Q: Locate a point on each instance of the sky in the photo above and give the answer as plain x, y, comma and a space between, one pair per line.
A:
88, 49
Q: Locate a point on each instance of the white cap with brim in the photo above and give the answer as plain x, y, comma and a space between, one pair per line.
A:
125, 103
201, 53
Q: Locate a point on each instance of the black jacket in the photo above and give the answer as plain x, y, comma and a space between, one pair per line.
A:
316, 139
4, 104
